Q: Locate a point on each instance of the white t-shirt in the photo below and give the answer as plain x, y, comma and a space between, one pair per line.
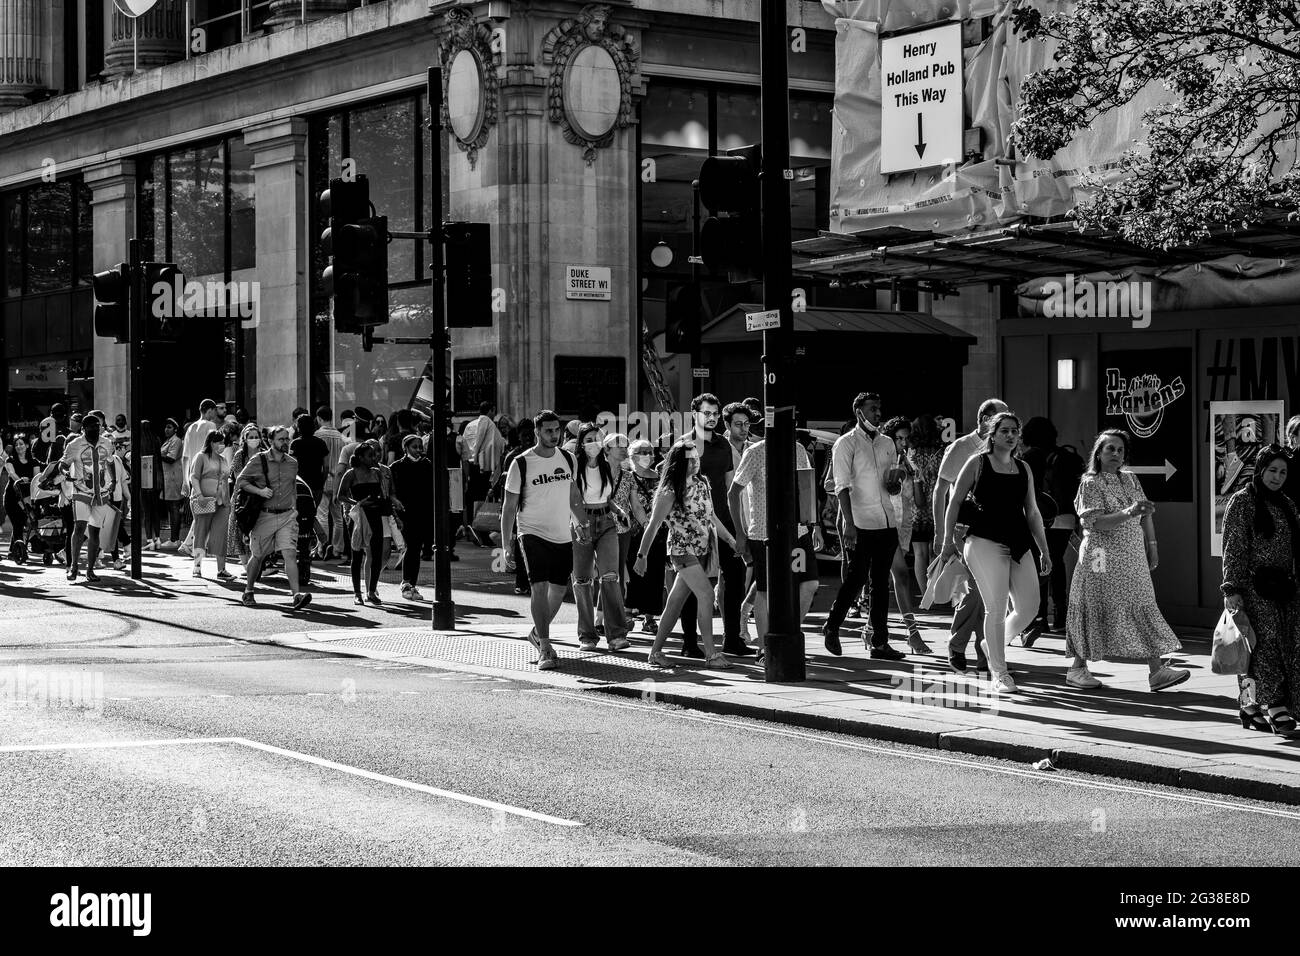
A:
957, 454
592, 493
545, 512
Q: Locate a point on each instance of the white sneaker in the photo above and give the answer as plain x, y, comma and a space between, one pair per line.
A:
586, 643
1002, 684
413, 595
1081, 678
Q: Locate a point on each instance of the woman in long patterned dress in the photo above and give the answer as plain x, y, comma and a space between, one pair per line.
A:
1113, 614
1261, 531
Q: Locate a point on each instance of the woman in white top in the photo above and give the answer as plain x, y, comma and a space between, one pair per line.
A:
598, 554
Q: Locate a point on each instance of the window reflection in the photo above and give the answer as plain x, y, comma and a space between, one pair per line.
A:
197, 179
381, 140
243, 212
49, 237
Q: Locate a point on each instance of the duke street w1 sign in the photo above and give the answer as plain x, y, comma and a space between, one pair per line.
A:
921, 112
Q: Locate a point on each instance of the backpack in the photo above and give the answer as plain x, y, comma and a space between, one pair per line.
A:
248, 506
1064, 471
521, 460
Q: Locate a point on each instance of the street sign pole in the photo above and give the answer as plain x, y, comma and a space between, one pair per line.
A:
136, 323
444, 609
785, 647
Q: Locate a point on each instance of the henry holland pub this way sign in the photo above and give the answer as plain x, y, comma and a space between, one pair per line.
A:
921, 106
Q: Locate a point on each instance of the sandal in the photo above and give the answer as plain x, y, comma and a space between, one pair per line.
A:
719, 661
1253, 719
657, 659
1280, 721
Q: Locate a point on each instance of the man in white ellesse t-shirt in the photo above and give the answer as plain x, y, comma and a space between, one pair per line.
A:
541, 493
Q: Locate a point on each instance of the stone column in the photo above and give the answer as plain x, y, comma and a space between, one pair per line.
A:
162, 39
113, 200
286, 14
23, 25
280, 176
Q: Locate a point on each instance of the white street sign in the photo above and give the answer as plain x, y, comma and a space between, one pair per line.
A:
921, 106
587, 282
758, 321
700, 372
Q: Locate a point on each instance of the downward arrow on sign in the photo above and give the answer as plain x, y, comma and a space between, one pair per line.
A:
920, 136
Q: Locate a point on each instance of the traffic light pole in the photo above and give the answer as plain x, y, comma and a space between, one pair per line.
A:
785, 645
444, 609
135, 358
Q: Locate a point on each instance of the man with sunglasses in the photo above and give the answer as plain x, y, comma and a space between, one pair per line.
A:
717, 462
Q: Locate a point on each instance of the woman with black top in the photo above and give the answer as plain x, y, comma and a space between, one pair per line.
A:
367, 487
20, 468
1004, 522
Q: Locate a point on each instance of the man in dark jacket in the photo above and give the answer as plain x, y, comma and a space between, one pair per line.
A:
413, 487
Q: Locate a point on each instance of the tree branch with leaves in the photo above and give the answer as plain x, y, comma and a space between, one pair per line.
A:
1220, 147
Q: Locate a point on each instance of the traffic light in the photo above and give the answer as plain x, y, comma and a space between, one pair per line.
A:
112, 290
469, 274
356, 279
685, 316
163, 284
732, 242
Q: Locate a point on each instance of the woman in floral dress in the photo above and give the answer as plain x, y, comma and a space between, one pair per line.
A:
1113, 613
685, 501
1261, 531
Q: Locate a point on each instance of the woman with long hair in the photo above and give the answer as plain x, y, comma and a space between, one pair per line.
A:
924, 456
20, 468
900, 482
249, 445
1113, 613
210, 502
1261, 533
685, 501
366, 492
1005, 523
597, 554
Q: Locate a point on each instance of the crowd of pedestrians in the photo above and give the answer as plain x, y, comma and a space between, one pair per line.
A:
681, 534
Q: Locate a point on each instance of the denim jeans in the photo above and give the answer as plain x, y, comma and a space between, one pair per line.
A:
599, 556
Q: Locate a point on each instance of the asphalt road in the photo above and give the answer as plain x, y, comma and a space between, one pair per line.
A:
191, 746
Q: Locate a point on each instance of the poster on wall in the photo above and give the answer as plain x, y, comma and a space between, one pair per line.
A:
1239, 431
1147, 393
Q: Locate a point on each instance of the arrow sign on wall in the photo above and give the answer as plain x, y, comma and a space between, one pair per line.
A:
920, 136
1167, 469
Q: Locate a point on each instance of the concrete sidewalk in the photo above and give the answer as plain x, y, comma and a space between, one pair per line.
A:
1185, 737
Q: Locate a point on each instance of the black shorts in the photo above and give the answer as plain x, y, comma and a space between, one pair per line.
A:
758, 550
545, 561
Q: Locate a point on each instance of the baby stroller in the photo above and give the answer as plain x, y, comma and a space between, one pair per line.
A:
45, 526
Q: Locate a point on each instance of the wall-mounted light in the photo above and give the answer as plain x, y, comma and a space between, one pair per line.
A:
662, 255
1065, 374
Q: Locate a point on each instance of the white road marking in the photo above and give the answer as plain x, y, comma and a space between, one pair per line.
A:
1054, 777
305, 758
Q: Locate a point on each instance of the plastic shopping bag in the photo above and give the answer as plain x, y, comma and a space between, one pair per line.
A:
1233, 641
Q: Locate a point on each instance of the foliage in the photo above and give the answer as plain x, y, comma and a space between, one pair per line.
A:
1219, 148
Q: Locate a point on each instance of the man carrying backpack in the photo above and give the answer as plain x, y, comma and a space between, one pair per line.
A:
1057, 471
541, 493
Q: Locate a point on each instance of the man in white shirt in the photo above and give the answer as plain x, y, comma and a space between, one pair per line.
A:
328, 514
861, 459
968, 609
750, 516
542, 494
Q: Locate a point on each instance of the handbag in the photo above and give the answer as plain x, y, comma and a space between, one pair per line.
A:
969, 511
248, 506
487, 518
1234, 639
712, 564
1274, 584
203, 504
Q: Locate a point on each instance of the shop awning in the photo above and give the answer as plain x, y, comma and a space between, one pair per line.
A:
1015, 253
730, 326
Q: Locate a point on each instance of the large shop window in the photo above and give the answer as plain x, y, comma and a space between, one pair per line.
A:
197, 208
388, 143
680, 126
47, 344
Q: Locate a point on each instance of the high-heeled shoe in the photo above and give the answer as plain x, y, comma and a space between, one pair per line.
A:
1254, 720
1281, 722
